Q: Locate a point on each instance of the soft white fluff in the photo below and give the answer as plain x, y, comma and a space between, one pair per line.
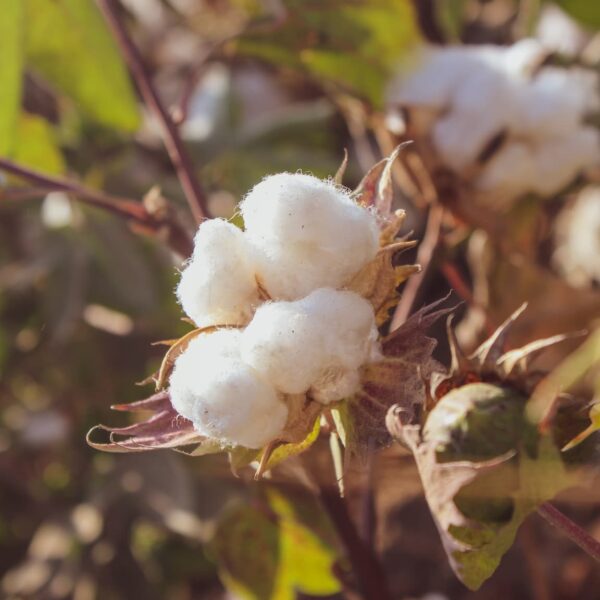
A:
558, 32
225, 398
578, 239
481, 91
306, 233
218, 286
540, 167
316, 343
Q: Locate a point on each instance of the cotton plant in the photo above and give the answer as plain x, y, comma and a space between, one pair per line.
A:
501, 119
287, 315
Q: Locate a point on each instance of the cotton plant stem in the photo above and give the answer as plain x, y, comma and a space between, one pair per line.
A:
574, 532
177, 151
366, 568
132, 211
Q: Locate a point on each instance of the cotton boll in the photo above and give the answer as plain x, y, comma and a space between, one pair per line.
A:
578, 239
556, 101
558, 161
307, 233
510, 172
522, 58
433, 83
195, 363
224, 397
558, 32
460, 137
218, 286
320, 340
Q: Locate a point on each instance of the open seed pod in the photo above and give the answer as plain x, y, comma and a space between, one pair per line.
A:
375, 285
484, 465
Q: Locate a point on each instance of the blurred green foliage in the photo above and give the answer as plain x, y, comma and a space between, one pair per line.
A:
588, 13
355, 45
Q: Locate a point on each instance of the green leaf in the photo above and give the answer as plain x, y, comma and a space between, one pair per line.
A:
355, 45
67, 43
11, 64
452, 17
540, 479
586, 11
280, 545
36, 146
307, 556
246, 548
469, 500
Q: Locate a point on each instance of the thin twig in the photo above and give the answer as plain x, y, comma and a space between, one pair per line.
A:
178, 153
576, 534
365, 566
427, 248
23, 193
132, 211
458, 284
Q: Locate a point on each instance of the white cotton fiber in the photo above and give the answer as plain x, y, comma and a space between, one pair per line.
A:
558, 32
481, 91
460, 138
225, 398
306, 233
559, 160
433, 83
556, 101
578, 239
522, 58
510, 172
218, 286
318, 342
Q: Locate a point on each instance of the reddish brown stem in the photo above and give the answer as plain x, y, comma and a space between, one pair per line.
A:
458, 284
178, 153
576, 534
131, 210
366, 568
424, 255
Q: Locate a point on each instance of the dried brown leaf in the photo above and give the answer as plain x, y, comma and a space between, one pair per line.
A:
397, 379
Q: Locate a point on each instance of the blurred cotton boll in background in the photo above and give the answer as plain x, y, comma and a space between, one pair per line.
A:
306, 233
536, 115
577, 254
559, 32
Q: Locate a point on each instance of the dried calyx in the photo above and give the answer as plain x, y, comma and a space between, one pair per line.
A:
476, 410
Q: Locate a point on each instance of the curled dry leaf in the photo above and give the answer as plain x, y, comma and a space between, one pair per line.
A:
483, 465
165, 428
457, 493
